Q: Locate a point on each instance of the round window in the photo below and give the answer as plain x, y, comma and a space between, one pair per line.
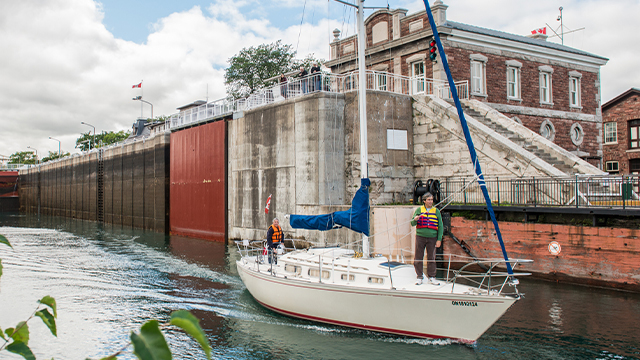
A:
548, 130
577, 134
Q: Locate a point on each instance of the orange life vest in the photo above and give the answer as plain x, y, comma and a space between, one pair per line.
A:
428, 218
277, 234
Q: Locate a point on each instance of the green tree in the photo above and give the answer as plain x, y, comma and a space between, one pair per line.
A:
54, 155
88, 141
22, 157
250, 68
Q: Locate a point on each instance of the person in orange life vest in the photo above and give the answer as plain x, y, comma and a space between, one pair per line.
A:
275, 237
429, 232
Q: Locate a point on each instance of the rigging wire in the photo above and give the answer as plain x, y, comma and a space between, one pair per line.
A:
301, 20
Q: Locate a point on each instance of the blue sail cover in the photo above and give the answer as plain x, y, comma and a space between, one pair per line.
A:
356, 218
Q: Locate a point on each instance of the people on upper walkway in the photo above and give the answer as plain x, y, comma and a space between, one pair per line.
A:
283, 86
316, 77
304, 82
429, 231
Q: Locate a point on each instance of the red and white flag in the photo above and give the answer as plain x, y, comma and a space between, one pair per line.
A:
266, 209
137, 86
539, 31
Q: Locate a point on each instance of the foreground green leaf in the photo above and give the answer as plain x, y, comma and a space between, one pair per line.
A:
191, 325
48, 320
2, 334
150, 344
20, 348
50, 302
20, 333
3, 240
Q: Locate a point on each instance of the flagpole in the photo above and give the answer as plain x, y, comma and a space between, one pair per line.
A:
141, 97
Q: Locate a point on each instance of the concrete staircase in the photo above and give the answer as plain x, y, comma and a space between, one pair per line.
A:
507, 147
526, 144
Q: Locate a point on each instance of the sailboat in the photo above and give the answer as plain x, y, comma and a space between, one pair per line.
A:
338, 286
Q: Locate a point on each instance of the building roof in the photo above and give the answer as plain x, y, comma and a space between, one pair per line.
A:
620, 97
195, 103
519, 38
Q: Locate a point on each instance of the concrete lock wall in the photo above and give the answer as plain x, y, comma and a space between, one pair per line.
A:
133, 190
304, 152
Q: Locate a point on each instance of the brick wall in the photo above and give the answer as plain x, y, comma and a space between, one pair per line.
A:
621, 112
593, 255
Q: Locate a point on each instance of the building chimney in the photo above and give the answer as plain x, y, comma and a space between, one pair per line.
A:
439, 11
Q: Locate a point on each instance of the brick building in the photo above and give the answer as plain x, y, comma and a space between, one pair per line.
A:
552, 89
621, 118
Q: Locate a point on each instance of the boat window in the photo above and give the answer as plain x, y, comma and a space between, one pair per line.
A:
293, 269
315, 272
351, 277
376, 280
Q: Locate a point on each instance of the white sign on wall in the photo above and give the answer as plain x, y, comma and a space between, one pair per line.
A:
397, 139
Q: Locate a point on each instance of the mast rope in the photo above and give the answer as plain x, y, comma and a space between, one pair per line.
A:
467, 134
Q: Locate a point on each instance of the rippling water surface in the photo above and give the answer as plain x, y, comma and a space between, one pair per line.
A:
109, 281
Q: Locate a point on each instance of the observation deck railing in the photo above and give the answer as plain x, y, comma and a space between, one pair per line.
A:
333, 83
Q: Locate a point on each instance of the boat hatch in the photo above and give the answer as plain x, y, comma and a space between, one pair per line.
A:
392, 264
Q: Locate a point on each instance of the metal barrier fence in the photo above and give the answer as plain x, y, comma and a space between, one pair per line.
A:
578, 191
337, 83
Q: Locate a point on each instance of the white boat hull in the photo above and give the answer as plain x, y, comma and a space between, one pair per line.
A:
410, 312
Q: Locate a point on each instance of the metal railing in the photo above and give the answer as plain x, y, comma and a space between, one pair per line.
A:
578, 191
336, 83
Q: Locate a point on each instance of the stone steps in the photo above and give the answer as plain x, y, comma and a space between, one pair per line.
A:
517, 139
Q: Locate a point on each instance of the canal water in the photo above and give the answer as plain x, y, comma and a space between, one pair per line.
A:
109, 281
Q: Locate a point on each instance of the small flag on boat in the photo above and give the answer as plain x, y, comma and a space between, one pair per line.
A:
264, 250
137, 86
542, 30
266, 209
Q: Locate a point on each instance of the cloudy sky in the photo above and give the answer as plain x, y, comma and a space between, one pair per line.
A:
68, 61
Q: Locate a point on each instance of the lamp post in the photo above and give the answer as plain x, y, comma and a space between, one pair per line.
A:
59, 145
94, 133
139, 98
29, 147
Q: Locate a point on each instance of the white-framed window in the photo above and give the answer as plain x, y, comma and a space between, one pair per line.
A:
513, 79
576, 133
548, 130
397, 139
575, 91
612, 167
478, 75
611, 132
417, 74
634, 134
546, 93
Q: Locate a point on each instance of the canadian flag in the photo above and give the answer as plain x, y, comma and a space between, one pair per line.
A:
266, 209
137, 86
539, 31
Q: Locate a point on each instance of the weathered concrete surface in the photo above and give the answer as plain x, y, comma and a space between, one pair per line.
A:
135, 189
294, 151
391, 171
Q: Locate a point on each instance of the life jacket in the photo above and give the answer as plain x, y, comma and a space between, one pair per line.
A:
428, 218
277, 234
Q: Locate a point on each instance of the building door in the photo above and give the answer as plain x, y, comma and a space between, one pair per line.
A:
417, 77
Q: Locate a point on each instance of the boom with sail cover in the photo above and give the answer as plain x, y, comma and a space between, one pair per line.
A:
356, 218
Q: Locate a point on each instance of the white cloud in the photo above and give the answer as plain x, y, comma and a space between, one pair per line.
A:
60, 65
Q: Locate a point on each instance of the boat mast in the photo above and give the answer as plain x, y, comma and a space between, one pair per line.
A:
362, 104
